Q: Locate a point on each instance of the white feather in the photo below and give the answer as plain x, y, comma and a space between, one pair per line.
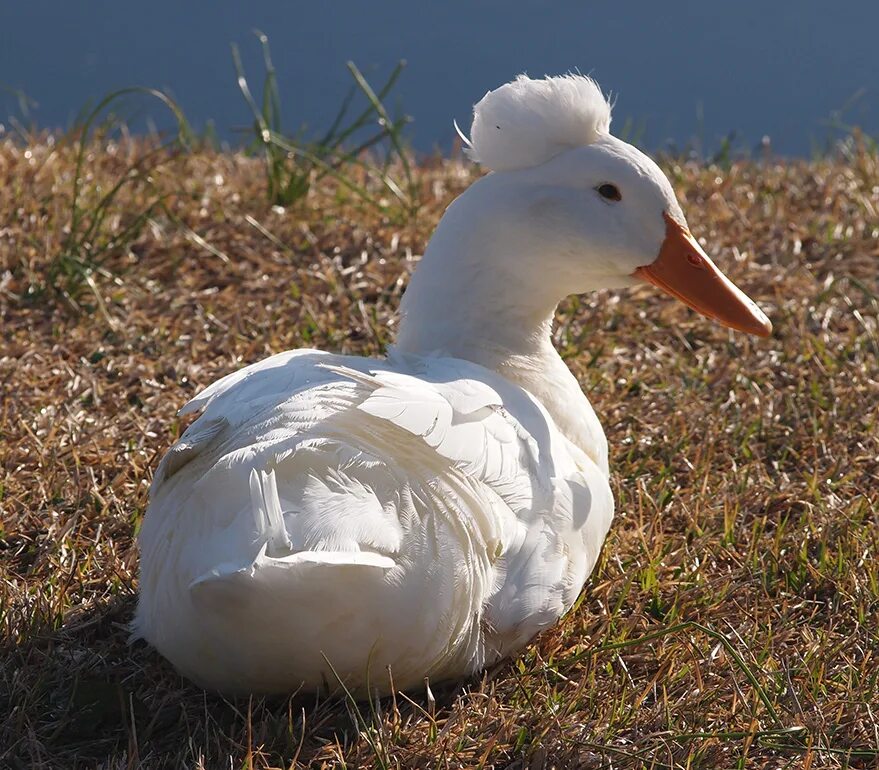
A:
417, 470
527, 122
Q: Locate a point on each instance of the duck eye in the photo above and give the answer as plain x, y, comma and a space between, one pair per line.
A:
609, 192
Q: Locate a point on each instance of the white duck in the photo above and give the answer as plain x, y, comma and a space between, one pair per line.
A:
340, 517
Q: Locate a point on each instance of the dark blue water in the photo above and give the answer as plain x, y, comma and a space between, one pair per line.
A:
682, 71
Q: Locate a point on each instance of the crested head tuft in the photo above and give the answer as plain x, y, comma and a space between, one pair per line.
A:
527, 122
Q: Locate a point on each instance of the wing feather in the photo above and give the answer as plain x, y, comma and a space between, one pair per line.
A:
430, 470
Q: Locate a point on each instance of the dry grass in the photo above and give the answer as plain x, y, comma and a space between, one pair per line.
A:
732, 620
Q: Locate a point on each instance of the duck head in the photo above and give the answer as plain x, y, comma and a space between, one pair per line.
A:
598, 211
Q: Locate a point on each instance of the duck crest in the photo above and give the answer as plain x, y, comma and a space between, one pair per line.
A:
526, 122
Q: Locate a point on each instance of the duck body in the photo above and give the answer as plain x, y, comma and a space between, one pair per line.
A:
334, 518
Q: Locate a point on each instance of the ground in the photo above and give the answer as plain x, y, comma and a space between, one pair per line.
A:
732, 618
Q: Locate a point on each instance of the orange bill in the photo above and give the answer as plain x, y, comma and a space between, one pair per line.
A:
685, 271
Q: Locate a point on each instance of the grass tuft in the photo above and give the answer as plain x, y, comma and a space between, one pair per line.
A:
293, 165
97, 228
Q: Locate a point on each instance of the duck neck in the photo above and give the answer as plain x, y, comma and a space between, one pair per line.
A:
465, 300
464, 309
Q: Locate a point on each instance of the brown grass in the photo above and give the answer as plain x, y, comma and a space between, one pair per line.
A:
732, 620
